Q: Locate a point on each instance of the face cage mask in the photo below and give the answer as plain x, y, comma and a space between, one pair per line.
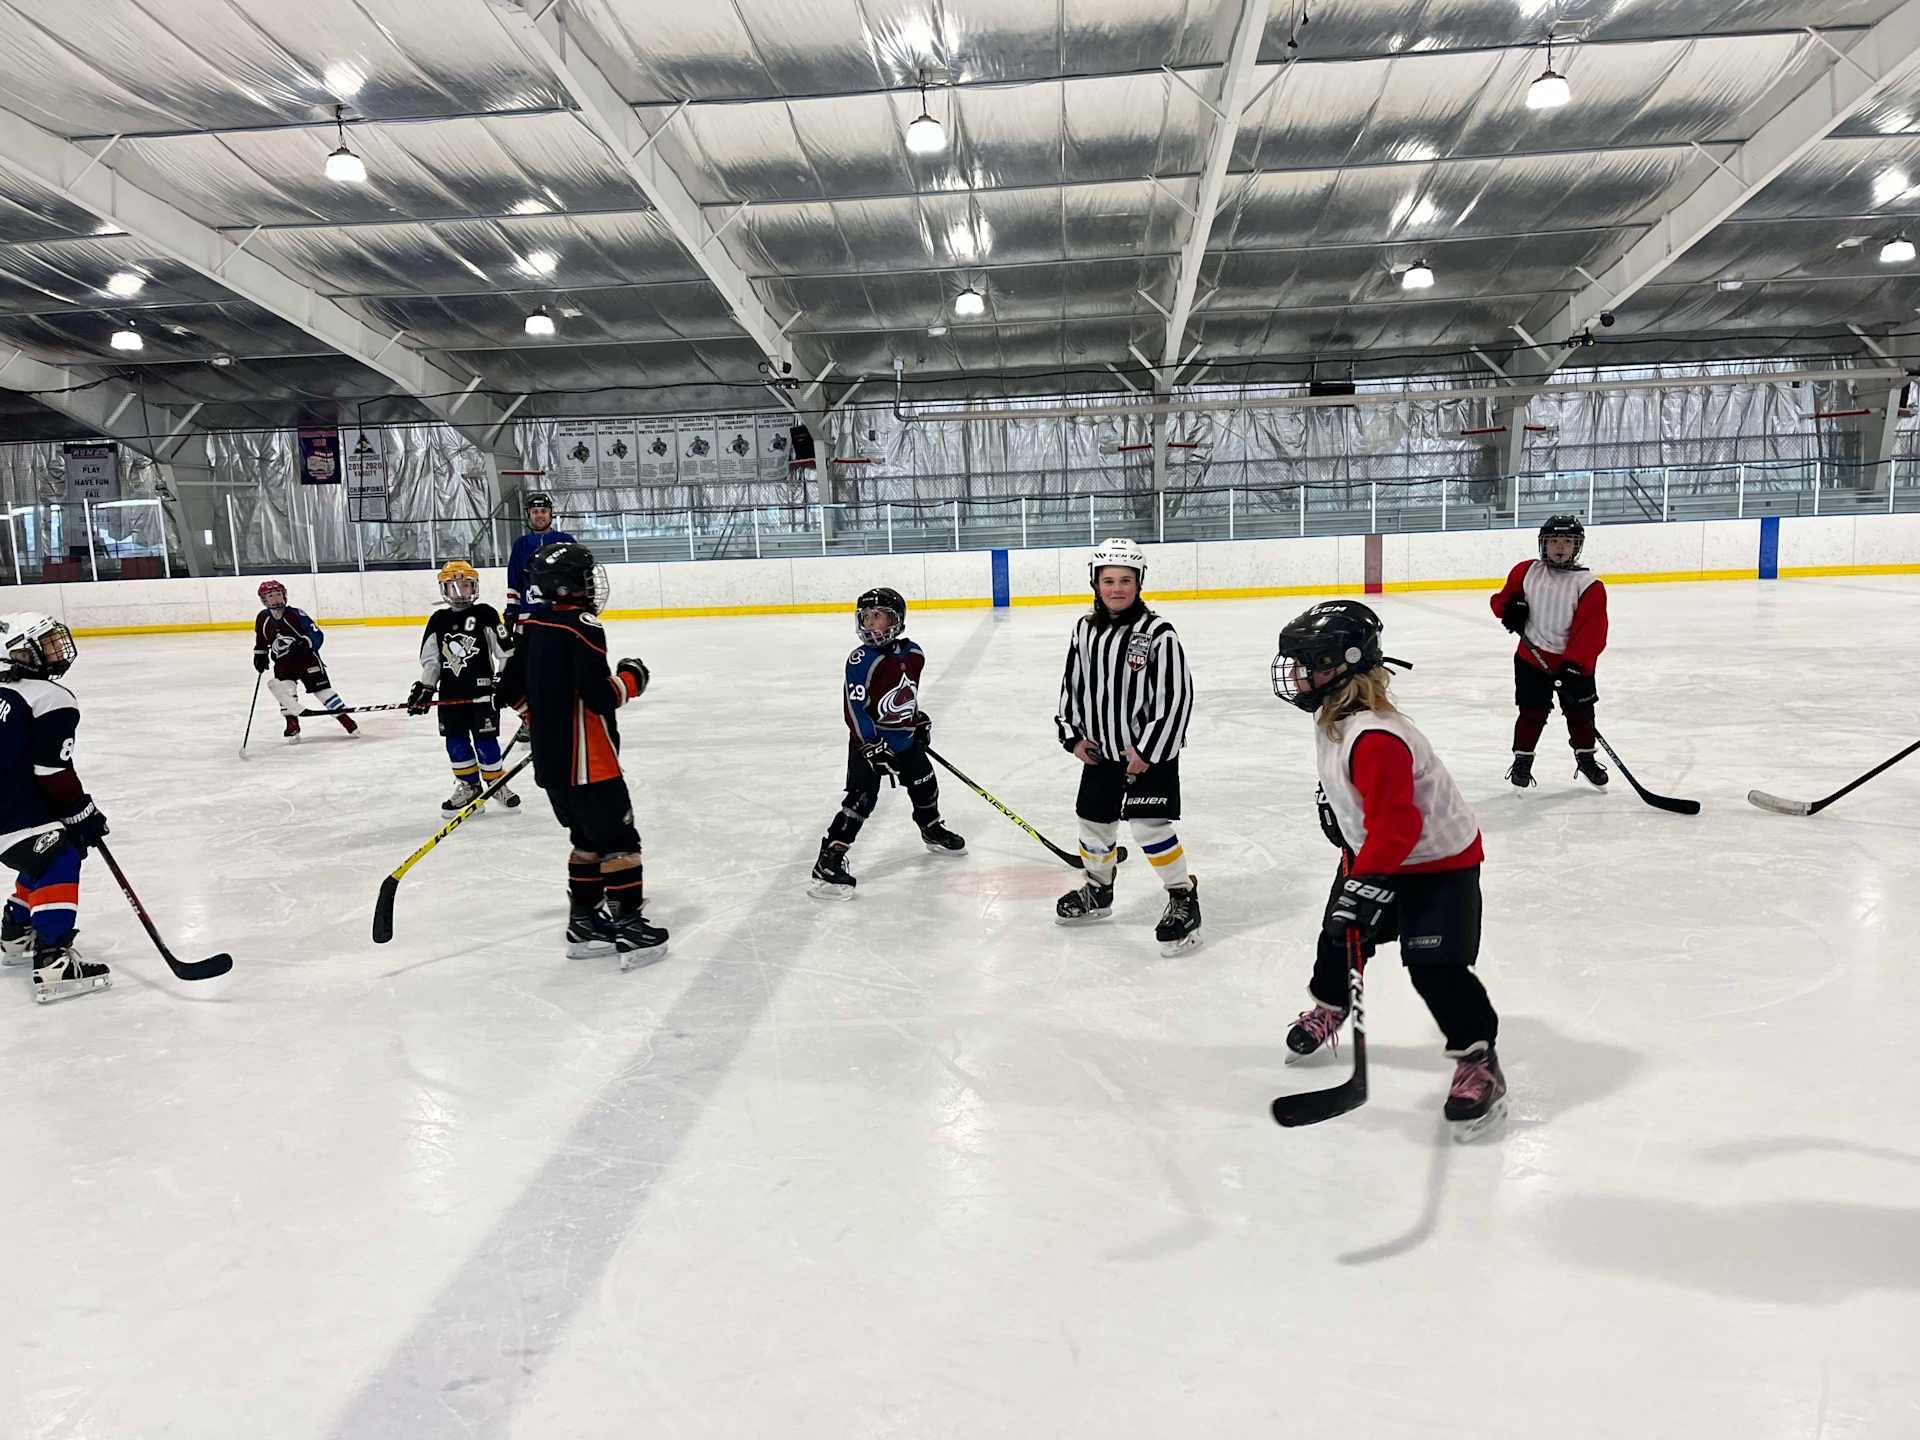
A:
601, 588
51, 652
1572, 562
896, 625
1292, 678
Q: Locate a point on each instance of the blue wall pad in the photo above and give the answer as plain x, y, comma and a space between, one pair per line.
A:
1002, 590
1769, 547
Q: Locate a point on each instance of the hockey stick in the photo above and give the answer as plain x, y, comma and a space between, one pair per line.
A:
1350, 1094
390, 887
258, 676
370, 709
185, 969
1066, 857
1814, 807
1659, 802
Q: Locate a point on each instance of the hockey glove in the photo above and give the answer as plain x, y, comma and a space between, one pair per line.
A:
1329, 822
638, 670
923, 731
260, 661
420, 698
880, 755
86, 826
1577, 686
1515, 616
1364, 902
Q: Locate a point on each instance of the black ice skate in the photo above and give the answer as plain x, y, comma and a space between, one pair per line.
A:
1589, 769
59, 972
1478, 1099
830, 878
1315, 1028
589, 933
1521, 771
940, 840
1179, 927
16, 941
1092, 901
637, 941
292, 732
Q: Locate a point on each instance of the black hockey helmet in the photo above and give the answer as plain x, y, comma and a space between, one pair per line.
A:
880, 598
567, 575
1338, 635
1563, 527
537, 498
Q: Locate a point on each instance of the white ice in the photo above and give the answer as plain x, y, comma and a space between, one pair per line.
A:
927, 1165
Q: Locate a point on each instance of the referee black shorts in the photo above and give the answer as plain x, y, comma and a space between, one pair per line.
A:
1108, 793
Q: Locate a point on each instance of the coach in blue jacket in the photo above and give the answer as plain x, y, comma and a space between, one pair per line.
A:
540, 533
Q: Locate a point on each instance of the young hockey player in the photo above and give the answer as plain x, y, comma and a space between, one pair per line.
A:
540, 534
890, 733
47, 820
462, 652
1559, 608
1409, 851
557, 677
285, 637
1124, 705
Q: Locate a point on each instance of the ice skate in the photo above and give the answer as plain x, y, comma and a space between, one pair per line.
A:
465, 792
830, 878
347, 724
1520, 773
1478, 1099
589, 933
505, 797
638, 942
59, 972
292, 732
16, 941
1179, 927
1315, 1028
940, 840
1092, 901
1589, 769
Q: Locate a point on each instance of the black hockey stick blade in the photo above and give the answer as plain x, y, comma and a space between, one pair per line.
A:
1659, 802
1784, 807
383, 910
207, 969
1314, 1106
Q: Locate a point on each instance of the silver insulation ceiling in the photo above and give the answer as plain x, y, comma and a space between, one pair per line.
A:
1399, 133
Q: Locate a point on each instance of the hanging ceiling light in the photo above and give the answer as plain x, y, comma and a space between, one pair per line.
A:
540, 322
1728, 284
1897, 251
1550, 91
1417, 276
221, 361
926, 135
125, 284
343, 165
969, 302
127, 338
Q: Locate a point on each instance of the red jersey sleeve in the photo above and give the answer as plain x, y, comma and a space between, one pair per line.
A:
1512, 588
1587, 635
1382, 770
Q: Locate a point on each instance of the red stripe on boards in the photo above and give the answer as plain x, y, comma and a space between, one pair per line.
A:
1373, 565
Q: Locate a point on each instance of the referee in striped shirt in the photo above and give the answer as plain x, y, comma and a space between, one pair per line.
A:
1125, 701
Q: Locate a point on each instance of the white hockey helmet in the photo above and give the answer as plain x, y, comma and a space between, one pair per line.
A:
1117, 551
36, 644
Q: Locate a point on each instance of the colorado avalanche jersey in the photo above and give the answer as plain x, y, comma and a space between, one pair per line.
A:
281, 638
37, 723
882, 694
461, 651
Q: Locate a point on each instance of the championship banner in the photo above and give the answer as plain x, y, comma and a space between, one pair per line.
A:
575, 463
699, 449
774, 444
738, 447
366, 480
93, 472
320, 456
619, 452
657, 462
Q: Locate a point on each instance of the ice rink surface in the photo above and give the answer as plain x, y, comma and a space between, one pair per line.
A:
927, 1165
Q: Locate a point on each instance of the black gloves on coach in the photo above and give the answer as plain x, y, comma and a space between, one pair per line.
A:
1577, 686
1363, 902
1514, 617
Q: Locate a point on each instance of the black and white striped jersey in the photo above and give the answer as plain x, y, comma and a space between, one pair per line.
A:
1126, 684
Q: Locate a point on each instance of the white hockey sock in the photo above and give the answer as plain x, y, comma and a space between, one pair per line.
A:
287, 693
1164, 850
1097, 850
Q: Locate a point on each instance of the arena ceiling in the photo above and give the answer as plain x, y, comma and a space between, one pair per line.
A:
691, 192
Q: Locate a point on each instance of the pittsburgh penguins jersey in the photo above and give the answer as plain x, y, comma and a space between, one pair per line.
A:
37, 723
881, 698
462, 651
